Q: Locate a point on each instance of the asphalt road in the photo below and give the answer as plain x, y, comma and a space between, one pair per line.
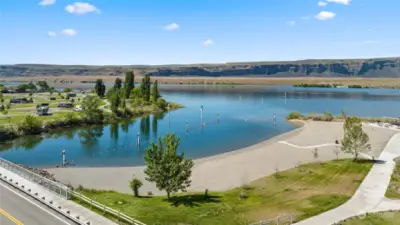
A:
17, 208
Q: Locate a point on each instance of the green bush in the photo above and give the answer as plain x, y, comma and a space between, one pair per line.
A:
135, 185
161, 104
326, 117
30, 125
295, 116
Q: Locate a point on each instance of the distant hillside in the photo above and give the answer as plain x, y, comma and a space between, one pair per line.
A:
383, 67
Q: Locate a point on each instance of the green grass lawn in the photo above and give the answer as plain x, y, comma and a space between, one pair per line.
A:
384, 218
17, 112
393, 190
303, 192
20, 117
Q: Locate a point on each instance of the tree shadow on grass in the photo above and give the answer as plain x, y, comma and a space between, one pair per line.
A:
194, 200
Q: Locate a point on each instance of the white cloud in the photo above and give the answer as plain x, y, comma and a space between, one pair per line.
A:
291, 23
81, 8
51, 34
324, 15
370, 42
344, 2
208, 42
322, 4
47, 2
69, 32
172, 26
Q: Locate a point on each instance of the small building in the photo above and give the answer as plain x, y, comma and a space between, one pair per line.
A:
71, 95
42, 109
19, 100
65, 105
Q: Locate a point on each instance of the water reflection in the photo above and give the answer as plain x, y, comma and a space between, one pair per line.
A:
145, 127
26, 143
89, 136
114, 128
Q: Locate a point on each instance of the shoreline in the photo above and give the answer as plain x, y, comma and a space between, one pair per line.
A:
233, 169
228, 80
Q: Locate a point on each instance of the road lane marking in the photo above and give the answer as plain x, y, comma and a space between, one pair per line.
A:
35, 204
6, 214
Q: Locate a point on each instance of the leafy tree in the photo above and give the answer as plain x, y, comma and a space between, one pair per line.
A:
43, 85
66, 90
145, 88
129, 83
168, 169
115, 102
117, 83
30, 93
155, 93
355, 139
135, 184
100, 88
91, 109
136, 93
351, 122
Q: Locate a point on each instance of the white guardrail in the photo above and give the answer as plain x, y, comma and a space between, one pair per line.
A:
60, 190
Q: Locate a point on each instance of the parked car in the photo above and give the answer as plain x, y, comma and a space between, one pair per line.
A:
78, 108
65, 105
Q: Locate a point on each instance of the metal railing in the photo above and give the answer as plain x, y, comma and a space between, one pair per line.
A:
283, 220
54, 187
64, 191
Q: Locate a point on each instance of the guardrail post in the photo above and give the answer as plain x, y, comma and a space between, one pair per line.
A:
118, 216
104, 209
91, 203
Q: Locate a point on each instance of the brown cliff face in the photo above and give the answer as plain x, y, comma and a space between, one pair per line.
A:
389, 67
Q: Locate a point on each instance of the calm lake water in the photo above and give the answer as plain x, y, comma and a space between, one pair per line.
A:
245, 118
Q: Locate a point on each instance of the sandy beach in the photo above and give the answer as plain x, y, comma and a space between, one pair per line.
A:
236, 168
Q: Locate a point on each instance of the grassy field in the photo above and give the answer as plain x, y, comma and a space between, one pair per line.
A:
393, 190
303, 192
384, 218
18, 111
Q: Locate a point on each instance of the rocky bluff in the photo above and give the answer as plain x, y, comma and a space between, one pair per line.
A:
383, 67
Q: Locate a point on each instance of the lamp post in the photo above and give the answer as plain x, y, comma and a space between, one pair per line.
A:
201, 115
63, 157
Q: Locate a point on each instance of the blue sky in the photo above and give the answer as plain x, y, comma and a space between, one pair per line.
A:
131, 32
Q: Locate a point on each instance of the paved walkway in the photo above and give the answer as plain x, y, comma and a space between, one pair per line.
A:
85, 215
370, 196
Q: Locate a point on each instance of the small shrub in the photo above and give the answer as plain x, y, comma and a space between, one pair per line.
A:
149, 193
135, 185
80, 188
295, 116
243, 195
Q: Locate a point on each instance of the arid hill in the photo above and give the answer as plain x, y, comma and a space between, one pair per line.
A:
382, 67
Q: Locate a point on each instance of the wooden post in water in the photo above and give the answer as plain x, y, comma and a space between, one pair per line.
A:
138, 139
